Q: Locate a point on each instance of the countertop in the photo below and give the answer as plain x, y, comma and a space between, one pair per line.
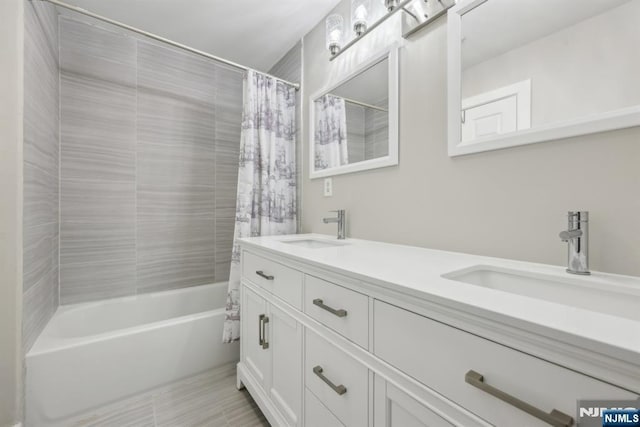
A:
417, 272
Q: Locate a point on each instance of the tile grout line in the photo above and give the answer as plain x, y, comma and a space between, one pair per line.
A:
58, 22
135, 178
215, 170
153, 410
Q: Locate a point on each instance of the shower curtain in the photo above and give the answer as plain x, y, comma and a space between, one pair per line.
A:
330, 143
266, 202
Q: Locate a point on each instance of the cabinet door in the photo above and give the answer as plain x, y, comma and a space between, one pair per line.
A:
285, 344
255, 346
394, 408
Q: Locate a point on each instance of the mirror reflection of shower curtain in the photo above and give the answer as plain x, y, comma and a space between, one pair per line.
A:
330, 142
266, 197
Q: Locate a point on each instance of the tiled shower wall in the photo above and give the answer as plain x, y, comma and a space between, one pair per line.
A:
367, 132
41, 156
376, 125
149, 147
355, 132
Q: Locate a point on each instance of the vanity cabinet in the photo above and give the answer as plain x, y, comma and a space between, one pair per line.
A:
322, 349
271, 344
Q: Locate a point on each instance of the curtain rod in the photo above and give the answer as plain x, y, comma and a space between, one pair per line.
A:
363, 104
164, 40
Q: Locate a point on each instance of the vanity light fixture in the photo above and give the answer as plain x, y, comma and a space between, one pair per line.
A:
337, 48
390, 4
335, 29
359, 15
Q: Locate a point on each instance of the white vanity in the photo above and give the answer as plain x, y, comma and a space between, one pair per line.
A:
359, 333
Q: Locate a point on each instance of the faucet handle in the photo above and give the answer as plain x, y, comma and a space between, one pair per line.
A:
565, 236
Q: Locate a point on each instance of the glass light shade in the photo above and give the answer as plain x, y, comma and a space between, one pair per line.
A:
360, 10
335, 29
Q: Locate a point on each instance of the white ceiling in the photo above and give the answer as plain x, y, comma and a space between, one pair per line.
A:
497, 26
256, 33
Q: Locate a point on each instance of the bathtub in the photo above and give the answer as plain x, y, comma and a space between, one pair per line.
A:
94, 354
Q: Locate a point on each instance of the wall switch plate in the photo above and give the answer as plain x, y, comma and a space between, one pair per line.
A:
328, 187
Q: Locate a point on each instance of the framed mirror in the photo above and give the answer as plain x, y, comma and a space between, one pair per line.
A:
529, 71
354, 122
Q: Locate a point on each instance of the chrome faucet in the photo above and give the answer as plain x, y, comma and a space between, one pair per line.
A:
340, 220
577, 235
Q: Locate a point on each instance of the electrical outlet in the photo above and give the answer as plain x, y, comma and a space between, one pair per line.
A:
328, 187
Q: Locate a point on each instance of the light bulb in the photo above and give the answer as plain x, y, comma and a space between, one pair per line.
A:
359, 15
335, 28
390, 4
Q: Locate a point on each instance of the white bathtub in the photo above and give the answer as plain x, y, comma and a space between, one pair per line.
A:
94, 354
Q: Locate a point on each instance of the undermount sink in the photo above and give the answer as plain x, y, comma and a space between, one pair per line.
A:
313, 243
599, 296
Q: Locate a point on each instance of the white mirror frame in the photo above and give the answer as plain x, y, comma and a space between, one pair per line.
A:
601, 122
389, 160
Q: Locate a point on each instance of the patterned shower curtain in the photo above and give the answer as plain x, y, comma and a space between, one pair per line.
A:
330, 132
266, 202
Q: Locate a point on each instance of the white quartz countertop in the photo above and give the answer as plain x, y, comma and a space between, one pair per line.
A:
417, 272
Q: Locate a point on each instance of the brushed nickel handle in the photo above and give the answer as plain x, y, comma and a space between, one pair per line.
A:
264, 276
263, 331
554, 418
339, 312
340, 389
260, 339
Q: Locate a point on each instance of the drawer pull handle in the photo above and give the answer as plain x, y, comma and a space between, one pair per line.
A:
340, 312
262, 340
340, 389
554, 418
264, 276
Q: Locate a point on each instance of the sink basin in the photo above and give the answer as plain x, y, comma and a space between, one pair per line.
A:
313, 243
621, 300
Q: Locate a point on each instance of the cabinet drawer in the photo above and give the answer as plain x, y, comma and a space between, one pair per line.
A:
337, 380
278, 279
316, 414
394, 408
341, 309
441, 356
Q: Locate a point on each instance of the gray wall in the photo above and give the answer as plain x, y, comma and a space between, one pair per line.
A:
11, 152
509, 203
149, 148
289, 67
41, 158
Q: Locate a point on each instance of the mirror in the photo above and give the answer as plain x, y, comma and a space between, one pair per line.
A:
354, 122
536, 70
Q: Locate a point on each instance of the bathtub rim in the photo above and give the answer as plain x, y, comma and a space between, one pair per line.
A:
46, 344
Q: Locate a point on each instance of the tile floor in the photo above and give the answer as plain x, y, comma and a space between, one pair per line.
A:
210, 399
